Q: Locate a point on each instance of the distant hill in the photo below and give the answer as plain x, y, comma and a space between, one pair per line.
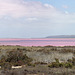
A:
62, 36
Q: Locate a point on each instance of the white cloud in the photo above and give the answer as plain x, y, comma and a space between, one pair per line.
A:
32, 10
32, 19
12, 7
21, 8
50, 6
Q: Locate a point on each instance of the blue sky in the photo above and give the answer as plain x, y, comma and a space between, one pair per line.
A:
60, 3
36, 18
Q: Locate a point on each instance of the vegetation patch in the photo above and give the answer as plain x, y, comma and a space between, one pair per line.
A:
69, 64
15, 58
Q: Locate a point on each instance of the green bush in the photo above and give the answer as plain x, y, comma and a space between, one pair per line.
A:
57, 65
50, 65
57, 60
54, 65
16, 58
61, 64
68, 65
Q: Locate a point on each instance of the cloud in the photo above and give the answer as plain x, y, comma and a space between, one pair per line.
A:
12, 8
49, 6
24, 18
34, 10
32, 19
21, 8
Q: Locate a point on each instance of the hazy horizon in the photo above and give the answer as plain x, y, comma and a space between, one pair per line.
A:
36, 18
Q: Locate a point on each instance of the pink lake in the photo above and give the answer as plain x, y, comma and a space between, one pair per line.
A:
39, 42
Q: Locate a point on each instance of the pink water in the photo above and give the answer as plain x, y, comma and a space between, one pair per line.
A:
39, 42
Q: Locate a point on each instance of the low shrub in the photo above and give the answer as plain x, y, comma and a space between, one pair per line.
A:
68, 65
54, 65
42, 63
57, 60
50, 65
16, 58
57, 65
61, 64
30, 64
